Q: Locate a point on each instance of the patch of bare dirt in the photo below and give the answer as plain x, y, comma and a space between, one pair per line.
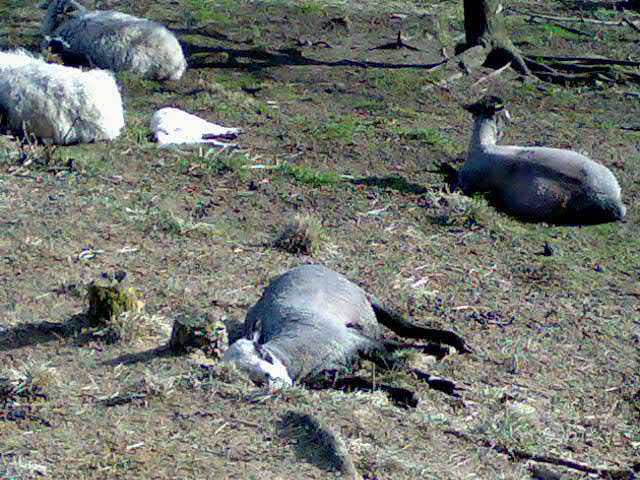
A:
554, 371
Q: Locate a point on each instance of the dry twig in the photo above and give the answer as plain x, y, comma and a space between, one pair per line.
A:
606, 473
568, 19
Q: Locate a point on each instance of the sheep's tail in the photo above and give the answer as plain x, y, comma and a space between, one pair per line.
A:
56, 12
396, 322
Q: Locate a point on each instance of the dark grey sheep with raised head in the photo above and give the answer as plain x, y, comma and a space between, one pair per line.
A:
312, 319
536, 183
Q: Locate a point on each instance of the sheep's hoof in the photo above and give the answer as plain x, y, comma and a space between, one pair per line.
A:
199, 332
109, 296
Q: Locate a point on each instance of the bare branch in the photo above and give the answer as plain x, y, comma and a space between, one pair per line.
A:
606, 473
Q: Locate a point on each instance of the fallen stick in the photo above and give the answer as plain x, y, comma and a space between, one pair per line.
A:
568, 19
493, 74
587, 60
606, 473
575, 31
632, 23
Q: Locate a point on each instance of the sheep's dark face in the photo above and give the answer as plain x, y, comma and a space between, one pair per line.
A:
486, 107
262, 367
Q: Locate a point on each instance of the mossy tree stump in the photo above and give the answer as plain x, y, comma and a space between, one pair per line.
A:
109, 296
199, 332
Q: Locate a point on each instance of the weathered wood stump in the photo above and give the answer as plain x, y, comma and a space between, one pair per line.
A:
199, 332
109, 296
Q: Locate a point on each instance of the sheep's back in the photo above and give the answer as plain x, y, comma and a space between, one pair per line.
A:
14, 59
122, 42
62, 104
540, 183
313, 319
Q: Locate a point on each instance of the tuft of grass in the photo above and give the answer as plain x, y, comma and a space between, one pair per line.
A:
341, 129
139, 328
433, 137
459, 210
167, 222
303, 234
219, 161
552, 29
153, 86
138, 133
338, 131
308, 176
224, 161
398, 82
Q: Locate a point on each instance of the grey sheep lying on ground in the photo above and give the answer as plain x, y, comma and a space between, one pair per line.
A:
311, 320
58, 104
115, 41
536, 183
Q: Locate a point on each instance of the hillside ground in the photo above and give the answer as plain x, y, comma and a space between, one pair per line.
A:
353, 148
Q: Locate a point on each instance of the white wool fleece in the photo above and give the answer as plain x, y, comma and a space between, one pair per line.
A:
60, 104
117, 41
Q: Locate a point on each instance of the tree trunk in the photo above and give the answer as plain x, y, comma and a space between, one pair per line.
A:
481, 21
484, 28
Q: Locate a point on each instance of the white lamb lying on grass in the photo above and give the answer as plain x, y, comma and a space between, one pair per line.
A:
115, 40
58, 104
174, 126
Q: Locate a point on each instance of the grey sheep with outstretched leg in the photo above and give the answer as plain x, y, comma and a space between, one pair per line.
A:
536, 183
312, 319
113, 40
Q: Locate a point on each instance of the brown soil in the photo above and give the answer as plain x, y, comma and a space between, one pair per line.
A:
556, 339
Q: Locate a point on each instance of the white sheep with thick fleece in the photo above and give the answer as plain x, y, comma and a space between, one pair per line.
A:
114, 40
58, 104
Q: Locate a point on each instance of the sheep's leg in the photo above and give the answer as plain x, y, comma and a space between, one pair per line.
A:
404, 328
387, 361
440, 384
401, 397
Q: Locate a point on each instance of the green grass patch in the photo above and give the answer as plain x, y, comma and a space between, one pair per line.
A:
308, 176
432, 137
398, 81
426, 135
216, 161
372, 106
338, 131
205, 12
340, 128
559, 31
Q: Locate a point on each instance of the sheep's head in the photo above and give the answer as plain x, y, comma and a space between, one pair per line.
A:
492, 108
261, 365
486, 107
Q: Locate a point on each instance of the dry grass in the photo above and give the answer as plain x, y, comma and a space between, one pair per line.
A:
303, 234
555, 338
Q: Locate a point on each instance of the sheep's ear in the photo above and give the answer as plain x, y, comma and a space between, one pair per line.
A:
265, 354
486, 107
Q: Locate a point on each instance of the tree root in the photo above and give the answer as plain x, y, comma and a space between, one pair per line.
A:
495, 54
593, 21
582, 70
565, 71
